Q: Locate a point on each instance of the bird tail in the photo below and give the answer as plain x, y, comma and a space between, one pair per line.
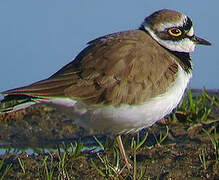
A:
23, 97
12, 103
43, 91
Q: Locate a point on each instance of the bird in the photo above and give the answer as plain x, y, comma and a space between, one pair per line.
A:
122, 82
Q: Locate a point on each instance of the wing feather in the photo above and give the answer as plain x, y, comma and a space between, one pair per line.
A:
122, 68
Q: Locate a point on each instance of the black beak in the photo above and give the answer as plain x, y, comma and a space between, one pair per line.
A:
198, 40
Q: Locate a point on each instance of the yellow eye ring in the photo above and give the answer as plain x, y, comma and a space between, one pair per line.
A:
175, 32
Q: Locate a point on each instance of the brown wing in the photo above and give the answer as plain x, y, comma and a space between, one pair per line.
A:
122, 68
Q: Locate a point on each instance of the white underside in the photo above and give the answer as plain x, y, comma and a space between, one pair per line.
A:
127, 118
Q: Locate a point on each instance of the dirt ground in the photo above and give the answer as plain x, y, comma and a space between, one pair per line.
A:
177, 157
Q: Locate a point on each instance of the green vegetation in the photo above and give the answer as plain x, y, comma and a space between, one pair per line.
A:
185, 146
202, 157
215, 142
5, 169
195, 109
161, 137
114, 170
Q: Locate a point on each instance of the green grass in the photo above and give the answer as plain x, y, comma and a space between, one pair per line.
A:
114, 168
162, 137
69, 162
214, 137
52, 165
195, 109
22, 165
4, 170
202, 158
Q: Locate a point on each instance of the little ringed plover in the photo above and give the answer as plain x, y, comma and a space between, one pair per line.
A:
121, 82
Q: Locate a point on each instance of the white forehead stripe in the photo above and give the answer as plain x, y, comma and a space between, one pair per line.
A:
173, 24
191, 32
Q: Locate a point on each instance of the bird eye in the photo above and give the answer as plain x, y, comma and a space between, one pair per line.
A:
175, 32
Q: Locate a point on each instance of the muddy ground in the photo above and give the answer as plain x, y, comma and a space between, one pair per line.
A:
177, 157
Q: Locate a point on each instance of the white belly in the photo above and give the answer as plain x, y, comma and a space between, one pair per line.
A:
129, 118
